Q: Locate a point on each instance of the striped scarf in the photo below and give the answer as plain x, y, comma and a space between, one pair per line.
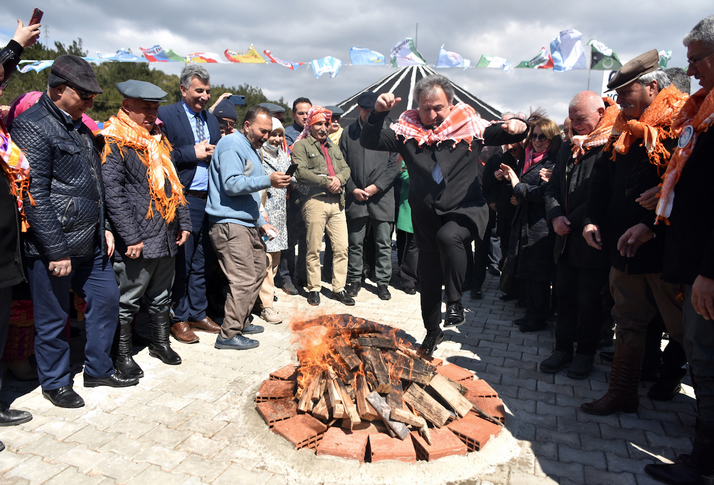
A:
155, 152
462, 124
599, 136
16, 168
695, 117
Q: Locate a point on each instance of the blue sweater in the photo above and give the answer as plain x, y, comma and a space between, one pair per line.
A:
235, 178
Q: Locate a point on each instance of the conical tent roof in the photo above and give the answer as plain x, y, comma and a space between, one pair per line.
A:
401, 83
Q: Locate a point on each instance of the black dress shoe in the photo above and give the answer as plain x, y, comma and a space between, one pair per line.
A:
164, 353
114, 380
352, 289
455, 314
508, 297
13, 417
476, 294
251, 329
520, 321
344, 298
664, 389
533, 326
677, 474
409, 290
289, 288
2, 446
313, 298
64, 397
494, 271
429, 345
127, 366
383, 292
239, 342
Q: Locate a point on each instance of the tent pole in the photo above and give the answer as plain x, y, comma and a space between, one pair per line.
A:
416, 36
589, 71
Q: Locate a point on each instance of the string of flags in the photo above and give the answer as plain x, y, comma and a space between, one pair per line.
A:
566, 54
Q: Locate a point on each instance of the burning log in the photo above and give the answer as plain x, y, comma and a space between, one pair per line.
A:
334, 399
352, 419
321, 411
348, 355
404, 416
372, 359
426, 406
442, 386
364, 408
381, 406
379, 342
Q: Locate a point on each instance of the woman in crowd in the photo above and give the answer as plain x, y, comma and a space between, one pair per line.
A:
530, 252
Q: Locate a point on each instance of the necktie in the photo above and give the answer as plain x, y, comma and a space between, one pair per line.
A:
200, 133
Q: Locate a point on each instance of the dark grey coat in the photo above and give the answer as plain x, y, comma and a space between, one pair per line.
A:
128, 200
368, 167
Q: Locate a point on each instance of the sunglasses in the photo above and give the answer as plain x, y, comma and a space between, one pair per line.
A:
83, 95
540, 137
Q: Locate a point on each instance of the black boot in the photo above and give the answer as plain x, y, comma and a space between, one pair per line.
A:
695, 469
159, 335
123, 361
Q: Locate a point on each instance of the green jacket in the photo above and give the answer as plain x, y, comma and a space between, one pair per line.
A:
312, 167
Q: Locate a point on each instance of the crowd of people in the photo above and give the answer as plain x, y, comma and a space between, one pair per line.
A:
600, 224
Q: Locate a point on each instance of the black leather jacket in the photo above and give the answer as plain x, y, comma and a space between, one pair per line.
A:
67, 218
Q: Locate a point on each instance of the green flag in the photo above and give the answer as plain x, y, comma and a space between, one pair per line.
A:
603, 58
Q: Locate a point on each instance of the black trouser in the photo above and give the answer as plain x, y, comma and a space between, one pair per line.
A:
670, 361
408, 259
538, 299
579, 307
296, 237
486, 254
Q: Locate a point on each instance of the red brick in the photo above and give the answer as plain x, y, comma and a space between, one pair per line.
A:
443, 443
270, 390
479, 388
287, 373
455, 373
383, 447
366, 427
303, 431
277, 410
435, 361
344, 443
474, 431
489, 405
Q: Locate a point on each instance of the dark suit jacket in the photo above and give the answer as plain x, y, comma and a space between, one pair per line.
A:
179, 132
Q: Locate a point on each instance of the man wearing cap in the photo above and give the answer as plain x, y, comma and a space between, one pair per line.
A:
276, 111
440, 144
686, 204
193, 132
335, 131
236, 224
225, 112
148, 215
67, 245
370, 201
322, 167
634, 160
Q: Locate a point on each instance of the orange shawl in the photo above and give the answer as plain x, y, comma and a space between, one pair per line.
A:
601, 133
155, 152
654, 125
16, 168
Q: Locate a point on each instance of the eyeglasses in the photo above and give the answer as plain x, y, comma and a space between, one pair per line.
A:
540, 137
83, 95
693, 62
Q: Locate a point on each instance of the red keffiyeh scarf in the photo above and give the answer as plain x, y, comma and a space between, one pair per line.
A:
462, 124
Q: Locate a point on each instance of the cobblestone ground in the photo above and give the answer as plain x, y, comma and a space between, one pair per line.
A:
196, 423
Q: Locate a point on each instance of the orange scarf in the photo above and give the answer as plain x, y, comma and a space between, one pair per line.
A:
155, 152
16, 168
601, 133
696, 116
462, 124
654, 125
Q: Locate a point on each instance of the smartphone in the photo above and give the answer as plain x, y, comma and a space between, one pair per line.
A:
238, 99
36, 16
291, 169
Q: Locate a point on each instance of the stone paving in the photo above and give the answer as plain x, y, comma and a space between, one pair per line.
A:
196, 423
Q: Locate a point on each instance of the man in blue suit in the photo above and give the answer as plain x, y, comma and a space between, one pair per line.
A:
193, 132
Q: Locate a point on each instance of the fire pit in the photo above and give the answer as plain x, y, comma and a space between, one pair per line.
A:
362, 392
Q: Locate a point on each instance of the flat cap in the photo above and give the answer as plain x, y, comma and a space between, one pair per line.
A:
225, 109
75, 70
367, 99
634, 69
272, 107
336, 110
141, 90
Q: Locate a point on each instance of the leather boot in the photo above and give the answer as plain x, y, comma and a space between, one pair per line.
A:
624, 379
123, 361
159, 346
693, 469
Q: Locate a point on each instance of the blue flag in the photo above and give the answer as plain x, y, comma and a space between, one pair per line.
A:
326, 64
121, 56
451, 59
36, 66
359, 56
567, 51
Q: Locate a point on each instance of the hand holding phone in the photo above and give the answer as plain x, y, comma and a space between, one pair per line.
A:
291, 169
36, 17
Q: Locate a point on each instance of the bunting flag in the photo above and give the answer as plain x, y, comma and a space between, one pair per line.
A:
158, 54
541, 61
405, 54
204, 58
359, 56
251, 56
567, 51
288, 64
602, 57
36, 66
120, 56
325, 65
451, 59
494, 62
664, 56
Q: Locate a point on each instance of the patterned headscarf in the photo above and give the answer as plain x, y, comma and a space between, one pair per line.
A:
315, 115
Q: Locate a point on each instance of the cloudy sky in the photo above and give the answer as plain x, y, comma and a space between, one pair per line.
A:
309, 29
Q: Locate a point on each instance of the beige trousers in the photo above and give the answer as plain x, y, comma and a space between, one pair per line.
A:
267, 289
322, 215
